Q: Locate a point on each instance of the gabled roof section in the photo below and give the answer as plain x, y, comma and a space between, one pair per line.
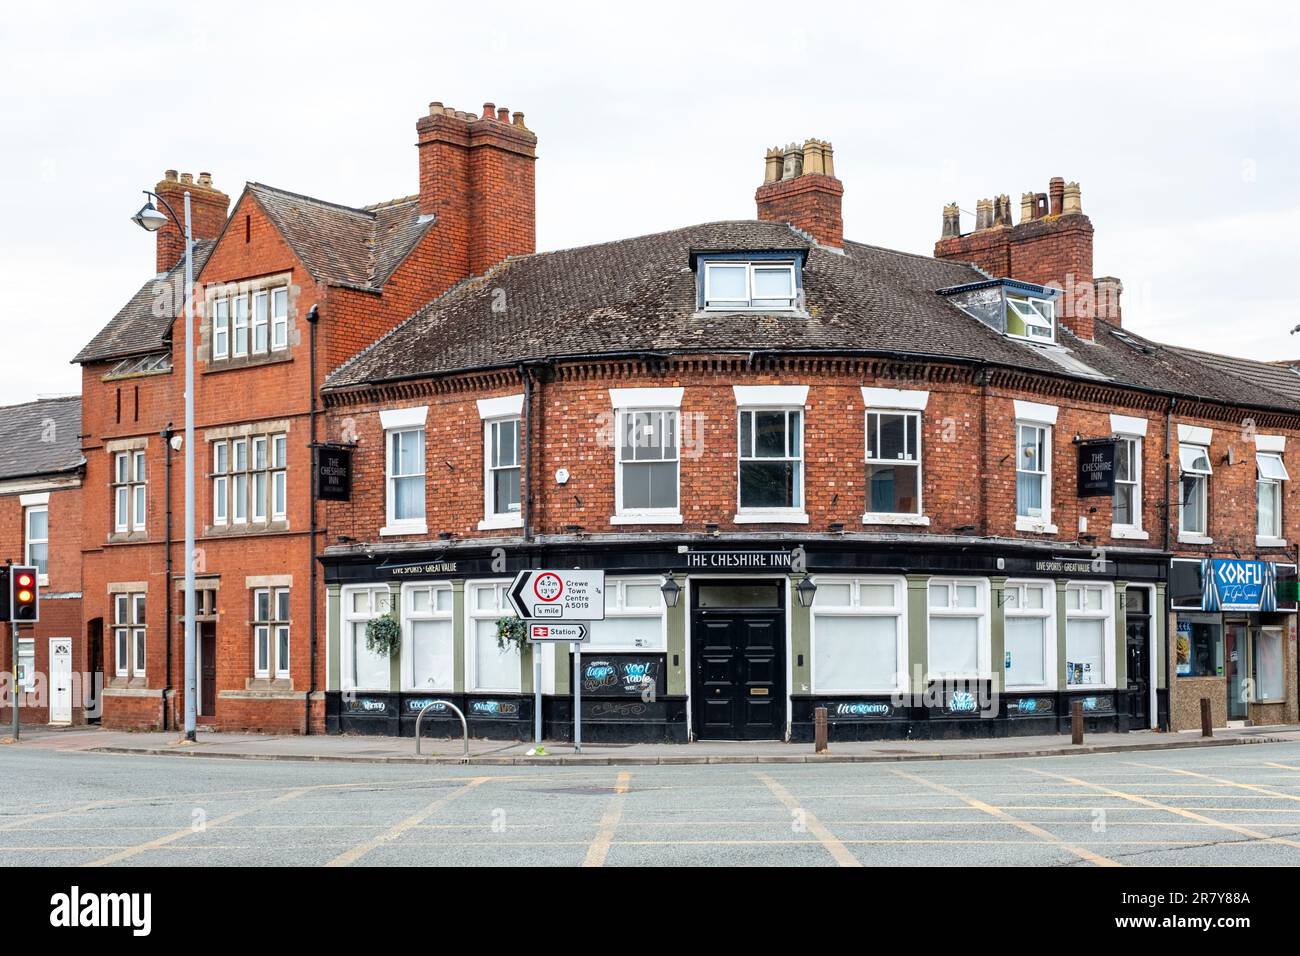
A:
41, 438
343, 245
144, 323
1277, 378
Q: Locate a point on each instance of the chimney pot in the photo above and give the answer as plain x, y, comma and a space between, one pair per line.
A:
792, 166
205, 180
187, 179
489, 111
813, 161
519, 120
1072, 200
951, 220
503, 115
435, 108
1056, 190
772, 163
1002, 210
170, 176
983, 214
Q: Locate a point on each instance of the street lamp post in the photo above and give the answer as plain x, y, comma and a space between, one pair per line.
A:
150, 219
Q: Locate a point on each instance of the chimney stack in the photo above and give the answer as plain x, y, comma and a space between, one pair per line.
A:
209, 208
800, 188
1050, 246
1109, 289
477, 176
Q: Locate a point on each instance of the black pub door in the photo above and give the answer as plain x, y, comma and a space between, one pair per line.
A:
1138, 625
738, 660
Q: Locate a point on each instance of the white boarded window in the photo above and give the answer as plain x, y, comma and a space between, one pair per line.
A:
363, 669
634, 617
959, 637
859, 634
1089, 630
428, 651
490, 667
1029, 630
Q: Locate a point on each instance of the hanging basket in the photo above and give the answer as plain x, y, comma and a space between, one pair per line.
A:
511, 633
383, 635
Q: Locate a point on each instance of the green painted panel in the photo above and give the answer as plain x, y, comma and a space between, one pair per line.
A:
676, 684
333, 630
1121, 636
1060, 635
997, 625
918, 630
800, 643
458, 635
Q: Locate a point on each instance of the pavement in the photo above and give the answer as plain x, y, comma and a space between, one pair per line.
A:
372, 749
72, 805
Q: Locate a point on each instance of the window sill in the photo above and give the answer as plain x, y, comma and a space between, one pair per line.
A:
127, 537
1034, 525
1263, 542
658, 518
1127, 532
500, 522
404, 527
780, 516
900, 519
1185, 537
1087, 689
277, 526
252, 360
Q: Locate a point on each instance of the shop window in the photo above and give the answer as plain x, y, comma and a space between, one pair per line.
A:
1270, 472
1029, 654
490, 667
859, 635
1268, 667
893, 462
1193, 489
1198, 646
428, 652
634, 617
1089, 630
959, 640
363, 669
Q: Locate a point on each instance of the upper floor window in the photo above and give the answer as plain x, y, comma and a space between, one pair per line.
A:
756, 285
36, 540
404, 467
1127, 498
1033, 471
1031, 318
250, 323
771, 459
503, 488
128, 491
893, 462
648, 460
1270, 473
249, 479
1193, 488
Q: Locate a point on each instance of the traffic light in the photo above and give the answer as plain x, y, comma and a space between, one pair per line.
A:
24, 594
4, 592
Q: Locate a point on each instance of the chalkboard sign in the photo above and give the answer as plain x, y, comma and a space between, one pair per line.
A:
1096, 469
622, 675
334, 474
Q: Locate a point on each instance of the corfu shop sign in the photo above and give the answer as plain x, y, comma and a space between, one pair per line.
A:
1241, 586
1096, 468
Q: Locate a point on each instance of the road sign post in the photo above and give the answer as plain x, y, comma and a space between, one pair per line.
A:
551, 601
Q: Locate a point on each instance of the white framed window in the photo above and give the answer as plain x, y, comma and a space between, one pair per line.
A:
129, 635
405, 468
27, 664
503, 480
239, 481
428, 656
239, 321
261, 322
1033, 475
36, 538
635, 618
1089, 635
489, 668
1029, 632
771, 462
960, 640
1270, 472
1193, 489
220, 482
271, 632
648, 464
1126, 501
279, 477
129, 491
731, 285
893, 461
1267, 665
1031, 318
279, 319
360, 668
859, 635
261, 477
221, 328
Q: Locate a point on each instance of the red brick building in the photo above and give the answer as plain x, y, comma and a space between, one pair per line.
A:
288, 287
40, 516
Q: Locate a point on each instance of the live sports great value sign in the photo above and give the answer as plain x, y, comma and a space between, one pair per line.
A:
555, 595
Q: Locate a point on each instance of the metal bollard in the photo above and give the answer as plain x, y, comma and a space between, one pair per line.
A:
1207, 722
821, 732
1076, 722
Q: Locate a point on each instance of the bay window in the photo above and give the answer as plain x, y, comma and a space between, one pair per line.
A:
1089, 635
859, 635
490, 667
960, 642
428, 659
1029, 629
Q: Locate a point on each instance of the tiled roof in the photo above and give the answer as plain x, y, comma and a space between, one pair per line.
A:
342, 245
40, 438
638, 295
1278, 378
144, 323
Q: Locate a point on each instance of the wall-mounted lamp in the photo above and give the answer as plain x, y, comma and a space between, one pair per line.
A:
805, 591
672, 591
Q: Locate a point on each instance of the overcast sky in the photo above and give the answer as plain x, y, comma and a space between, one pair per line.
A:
1181, 126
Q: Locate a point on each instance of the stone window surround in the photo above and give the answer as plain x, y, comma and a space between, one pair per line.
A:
277, 426
215, 290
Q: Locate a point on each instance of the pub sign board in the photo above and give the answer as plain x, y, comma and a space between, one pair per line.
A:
1096, 469
333, 473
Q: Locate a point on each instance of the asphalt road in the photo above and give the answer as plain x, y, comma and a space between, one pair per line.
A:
1224, 806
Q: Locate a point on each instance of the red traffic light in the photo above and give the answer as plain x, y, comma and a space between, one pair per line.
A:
24, 596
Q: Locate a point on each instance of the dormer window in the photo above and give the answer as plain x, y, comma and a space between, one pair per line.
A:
733, 285
1031, 318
